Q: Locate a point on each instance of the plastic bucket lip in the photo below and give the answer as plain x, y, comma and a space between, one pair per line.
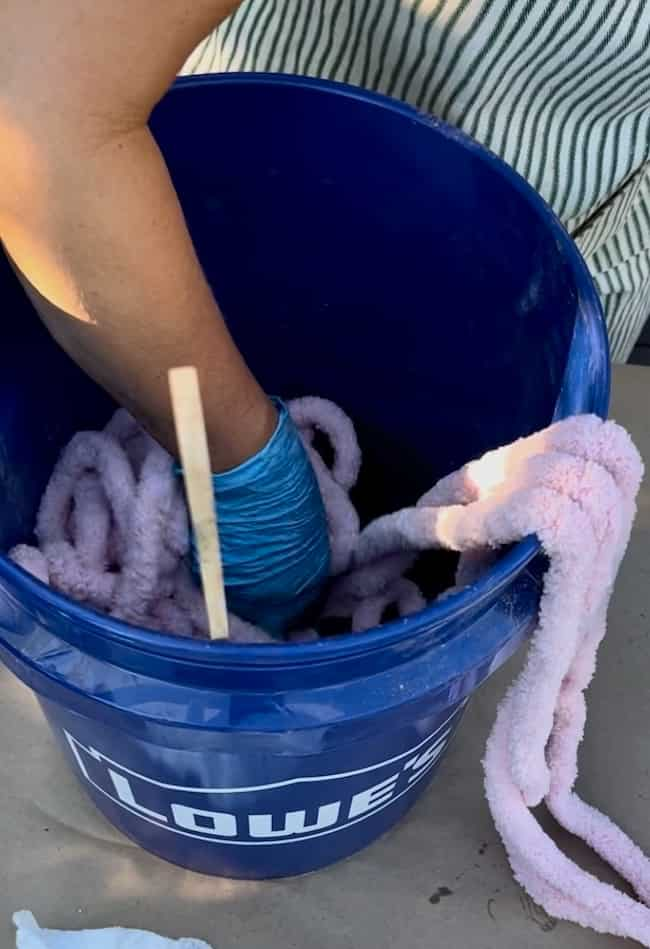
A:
488, 587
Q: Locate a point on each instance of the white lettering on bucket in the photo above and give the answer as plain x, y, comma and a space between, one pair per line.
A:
373, 797
261, 825
219, 824
423, 762
318, 804
125, 794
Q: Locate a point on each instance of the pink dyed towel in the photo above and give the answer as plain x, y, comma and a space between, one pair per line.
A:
112, 531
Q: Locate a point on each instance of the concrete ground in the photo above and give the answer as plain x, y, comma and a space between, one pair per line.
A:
438, 880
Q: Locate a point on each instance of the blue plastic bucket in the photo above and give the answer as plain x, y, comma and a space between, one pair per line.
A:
362, 252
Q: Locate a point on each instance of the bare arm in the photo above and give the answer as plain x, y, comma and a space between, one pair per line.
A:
89, 215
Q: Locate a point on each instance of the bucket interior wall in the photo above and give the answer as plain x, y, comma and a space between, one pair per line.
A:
356, 256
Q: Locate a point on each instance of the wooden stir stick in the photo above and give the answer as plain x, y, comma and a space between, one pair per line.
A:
195, 459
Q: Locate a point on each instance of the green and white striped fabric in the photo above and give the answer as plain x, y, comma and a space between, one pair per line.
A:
559, 88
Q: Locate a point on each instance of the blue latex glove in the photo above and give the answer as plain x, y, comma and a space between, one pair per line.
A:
273, 531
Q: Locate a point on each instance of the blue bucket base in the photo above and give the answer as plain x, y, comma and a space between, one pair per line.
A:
246, 832
267, 869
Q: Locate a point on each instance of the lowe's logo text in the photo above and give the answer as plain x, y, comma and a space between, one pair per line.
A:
280, 813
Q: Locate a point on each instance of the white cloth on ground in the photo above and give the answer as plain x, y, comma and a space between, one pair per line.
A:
29, 935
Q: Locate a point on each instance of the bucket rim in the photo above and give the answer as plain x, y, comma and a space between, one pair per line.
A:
593, 398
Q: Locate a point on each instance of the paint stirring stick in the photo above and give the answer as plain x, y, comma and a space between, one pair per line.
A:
193, 447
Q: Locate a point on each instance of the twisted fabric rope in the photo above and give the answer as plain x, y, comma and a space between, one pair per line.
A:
113, 532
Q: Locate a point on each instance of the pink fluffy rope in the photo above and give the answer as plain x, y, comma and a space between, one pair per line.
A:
112, 532
574, 486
